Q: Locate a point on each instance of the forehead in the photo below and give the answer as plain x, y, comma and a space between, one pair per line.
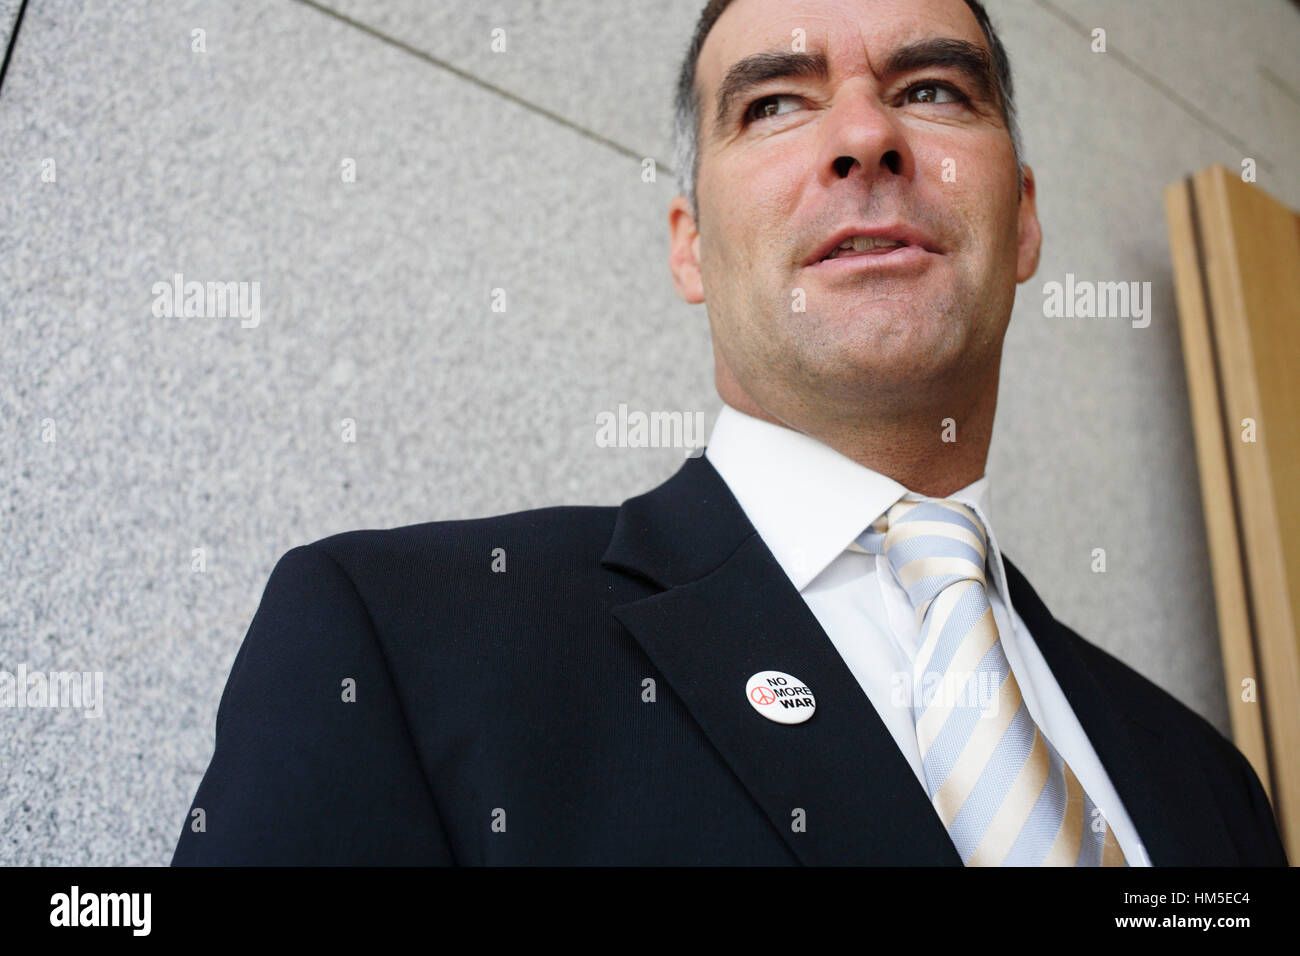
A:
852, 33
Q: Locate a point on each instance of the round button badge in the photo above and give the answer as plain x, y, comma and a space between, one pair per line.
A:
780, 697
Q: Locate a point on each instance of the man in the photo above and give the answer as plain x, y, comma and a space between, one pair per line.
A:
805, 647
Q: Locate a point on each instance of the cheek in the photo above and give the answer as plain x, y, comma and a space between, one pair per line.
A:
762, 186
982, 226
968, 179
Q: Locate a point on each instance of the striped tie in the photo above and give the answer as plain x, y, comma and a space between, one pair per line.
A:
1006, 797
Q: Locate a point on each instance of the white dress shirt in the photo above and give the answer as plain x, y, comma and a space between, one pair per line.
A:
808, 503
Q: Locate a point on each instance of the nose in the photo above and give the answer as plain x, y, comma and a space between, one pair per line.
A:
863, 138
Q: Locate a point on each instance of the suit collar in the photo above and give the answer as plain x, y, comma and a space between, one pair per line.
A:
680, 531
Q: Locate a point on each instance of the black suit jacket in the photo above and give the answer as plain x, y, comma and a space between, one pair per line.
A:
501, 717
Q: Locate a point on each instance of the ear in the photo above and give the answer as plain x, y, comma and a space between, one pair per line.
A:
1031, 235
684, 253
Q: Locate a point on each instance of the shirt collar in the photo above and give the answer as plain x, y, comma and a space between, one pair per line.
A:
807, 501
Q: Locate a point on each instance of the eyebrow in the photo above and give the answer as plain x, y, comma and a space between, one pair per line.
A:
969, 59
755, 70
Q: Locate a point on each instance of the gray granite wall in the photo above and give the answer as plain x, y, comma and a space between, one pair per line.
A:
153, 468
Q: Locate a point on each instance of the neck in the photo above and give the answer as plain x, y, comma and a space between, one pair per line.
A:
933, 449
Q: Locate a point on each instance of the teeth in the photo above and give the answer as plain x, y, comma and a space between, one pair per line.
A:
867, 243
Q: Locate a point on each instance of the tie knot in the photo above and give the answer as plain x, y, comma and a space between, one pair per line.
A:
930, 544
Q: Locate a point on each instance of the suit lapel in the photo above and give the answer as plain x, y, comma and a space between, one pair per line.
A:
1155, 774
726, 611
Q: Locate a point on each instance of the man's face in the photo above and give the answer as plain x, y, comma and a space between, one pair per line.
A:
920, 152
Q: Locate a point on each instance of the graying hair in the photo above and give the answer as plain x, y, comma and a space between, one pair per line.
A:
686, 113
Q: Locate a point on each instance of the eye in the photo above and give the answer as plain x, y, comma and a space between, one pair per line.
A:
930, 91
763, 108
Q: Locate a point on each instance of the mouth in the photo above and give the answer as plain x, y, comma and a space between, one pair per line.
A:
895, 244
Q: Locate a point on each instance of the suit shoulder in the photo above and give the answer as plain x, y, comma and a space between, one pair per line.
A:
1162, 708
1231, 777
1167, 708
575, 532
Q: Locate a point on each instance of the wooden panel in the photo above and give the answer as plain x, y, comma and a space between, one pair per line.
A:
1217, 496
1241, 303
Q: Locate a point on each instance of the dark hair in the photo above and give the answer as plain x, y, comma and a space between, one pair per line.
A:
686, 113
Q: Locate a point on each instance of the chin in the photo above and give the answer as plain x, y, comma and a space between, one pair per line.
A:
897, 337
895, 364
